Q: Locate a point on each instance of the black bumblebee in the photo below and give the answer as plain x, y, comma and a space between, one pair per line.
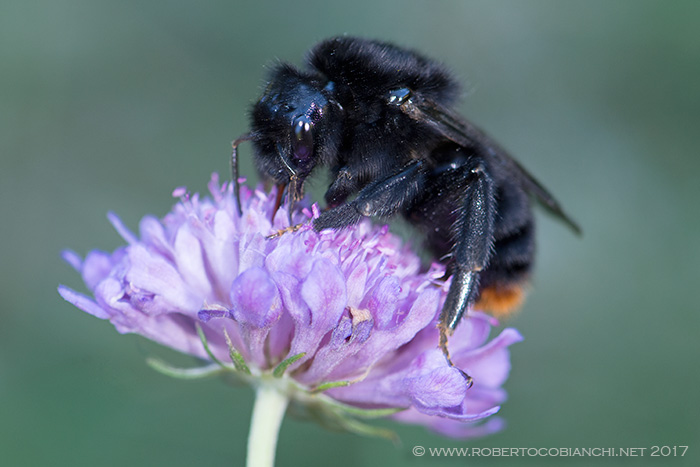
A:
382, 119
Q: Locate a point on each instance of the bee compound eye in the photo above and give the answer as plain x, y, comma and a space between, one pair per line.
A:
302, 140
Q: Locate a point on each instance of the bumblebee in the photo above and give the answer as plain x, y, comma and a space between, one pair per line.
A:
382, 119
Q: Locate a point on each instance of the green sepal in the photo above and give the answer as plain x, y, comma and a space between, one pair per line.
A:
330, 385
236, 357
279, 370
239, 361
336, 416
367, 413
203, 338
183, 373
364, 413
355, 426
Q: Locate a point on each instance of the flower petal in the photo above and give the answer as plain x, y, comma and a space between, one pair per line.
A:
81, 301
255, 299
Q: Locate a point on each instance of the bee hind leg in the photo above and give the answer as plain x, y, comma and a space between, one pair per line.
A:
474, 231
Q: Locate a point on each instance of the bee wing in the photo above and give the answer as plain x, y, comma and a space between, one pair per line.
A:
455, 128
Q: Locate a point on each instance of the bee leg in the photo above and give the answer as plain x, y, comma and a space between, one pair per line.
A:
381, 198
286, 230
234, 169
474, 232
344, 184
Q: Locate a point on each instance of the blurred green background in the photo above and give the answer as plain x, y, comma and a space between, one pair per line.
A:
110, 105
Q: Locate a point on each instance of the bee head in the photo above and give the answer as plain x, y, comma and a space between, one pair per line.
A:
295, 127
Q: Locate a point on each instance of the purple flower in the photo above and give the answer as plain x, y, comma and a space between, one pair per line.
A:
343, 319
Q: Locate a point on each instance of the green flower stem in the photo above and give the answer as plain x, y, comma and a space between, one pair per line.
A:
268, 412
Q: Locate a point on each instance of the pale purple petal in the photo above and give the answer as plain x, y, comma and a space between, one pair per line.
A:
72, 258
121, 229
325, 294
432, 384
156, 276
255, 299
84, 303
490, 364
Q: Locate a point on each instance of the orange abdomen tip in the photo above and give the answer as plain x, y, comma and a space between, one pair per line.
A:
501, 301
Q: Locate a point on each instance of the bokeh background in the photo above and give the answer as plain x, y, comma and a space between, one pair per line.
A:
110, 105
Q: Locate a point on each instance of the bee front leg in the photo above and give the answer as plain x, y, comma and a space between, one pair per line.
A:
234, 169
474, 231
381, 198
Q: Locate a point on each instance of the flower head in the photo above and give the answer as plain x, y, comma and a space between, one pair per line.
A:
342, 318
